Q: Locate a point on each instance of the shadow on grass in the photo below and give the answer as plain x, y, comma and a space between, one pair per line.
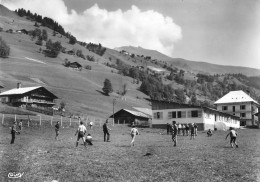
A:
103, 93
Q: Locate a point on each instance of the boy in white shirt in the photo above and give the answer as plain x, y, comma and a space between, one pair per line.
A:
81, 132
133, 133
233, 137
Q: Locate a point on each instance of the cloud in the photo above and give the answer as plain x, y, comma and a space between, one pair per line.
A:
148, 29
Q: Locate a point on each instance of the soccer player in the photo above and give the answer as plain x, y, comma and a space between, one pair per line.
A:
209, 133
196, 129
233, 137
89, 139
20, 125
174, 133
106, 133
133, 133
81, 131
90, 124
192, 131
57, 129
13, 131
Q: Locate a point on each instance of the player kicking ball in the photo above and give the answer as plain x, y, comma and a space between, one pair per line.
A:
81, 132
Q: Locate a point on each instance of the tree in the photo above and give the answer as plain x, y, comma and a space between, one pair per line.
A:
73, 40
53, 49
44, 35
107, 87
4, 49
39, 41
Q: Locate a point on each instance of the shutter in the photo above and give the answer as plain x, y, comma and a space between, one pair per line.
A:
155, 115
169, 115
183, 114
189, 114
161, 115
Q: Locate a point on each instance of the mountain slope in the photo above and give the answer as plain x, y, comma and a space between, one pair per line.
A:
193, 66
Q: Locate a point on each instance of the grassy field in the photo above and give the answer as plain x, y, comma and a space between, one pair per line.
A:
40, 158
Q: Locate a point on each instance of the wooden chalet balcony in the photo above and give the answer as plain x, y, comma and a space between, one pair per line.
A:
33, 101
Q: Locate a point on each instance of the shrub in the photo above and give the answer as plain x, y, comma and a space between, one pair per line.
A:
4, 49
88, 67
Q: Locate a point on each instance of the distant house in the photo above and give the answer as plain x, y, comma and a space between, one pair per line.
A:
206, 118
70, 52
240, 104
125, 116
75, 65
154, 70
37, 98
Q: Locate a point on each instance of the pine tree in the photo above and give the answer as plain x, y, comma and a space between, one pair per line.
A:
107, 87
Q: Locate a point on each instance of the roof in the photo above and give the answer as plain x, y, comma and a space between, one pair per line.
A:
18, 91
75, 64
235, 97
137, 113
155, 69
144, 110
23, 90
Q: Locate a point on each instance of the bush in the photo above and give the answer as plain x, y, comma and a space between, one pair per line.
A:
53, 49
88, 67
4, 49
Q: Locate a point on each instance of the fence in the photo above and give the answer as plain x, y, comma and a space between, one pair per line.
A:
44, 120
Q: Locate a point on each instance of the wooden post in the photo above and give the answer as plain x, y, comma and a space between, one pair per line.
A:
28, 123
51, 120
258, 123
40, 119
70, 121
15, 117
61, 121
3, 117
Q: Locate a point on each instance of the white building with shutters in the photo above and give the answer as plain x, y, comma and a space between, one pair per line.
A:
239, 104
206, 118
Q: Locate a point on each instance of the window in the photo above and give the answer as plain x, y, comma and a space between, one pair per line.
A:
179, 114
224, 108
158, 115
234, 108
242, 115
171, 115
242, 107
194, 114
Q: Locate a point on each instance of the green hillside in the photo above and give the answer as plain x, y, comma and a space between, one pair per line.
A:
136, 74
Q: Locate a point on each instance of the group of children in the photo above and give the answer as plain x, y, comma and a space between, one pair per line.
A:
185, 129
175, 130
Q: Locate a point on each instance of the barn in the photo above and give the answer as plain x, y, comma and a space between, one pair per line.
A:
125, 116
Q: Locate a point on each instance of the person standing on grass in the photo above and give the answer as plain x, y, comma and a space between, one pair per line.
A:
133, 133
57, 129
20, 125
179, 129
106, 133
81, 131
13, 132
233, 137
196, 129
168, 128
183, 129
90, 124
192, 131
187, 129
174, 133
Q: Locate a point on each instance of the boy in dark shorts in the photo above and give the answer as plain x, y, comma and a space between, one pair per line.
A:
174, 133
233, 137
106, 131
192, 131
57, 129
81, 132
13, 132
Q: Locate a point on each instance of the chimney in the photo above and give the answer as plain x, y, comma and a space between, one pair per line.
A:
19, 85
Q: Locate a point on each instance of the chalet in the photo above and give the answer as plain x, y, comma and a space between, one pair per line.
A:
70, 52
240, 104
37, 98
206, 118
125, 116
75, 65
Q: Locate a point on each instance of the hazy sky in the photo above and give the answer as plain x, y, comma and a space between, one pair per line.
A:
225, 32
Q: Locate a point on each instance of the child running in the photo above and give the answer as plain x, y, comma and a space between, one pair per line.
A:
81, 132
133, 133
174, 133
233, 137
57, 129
